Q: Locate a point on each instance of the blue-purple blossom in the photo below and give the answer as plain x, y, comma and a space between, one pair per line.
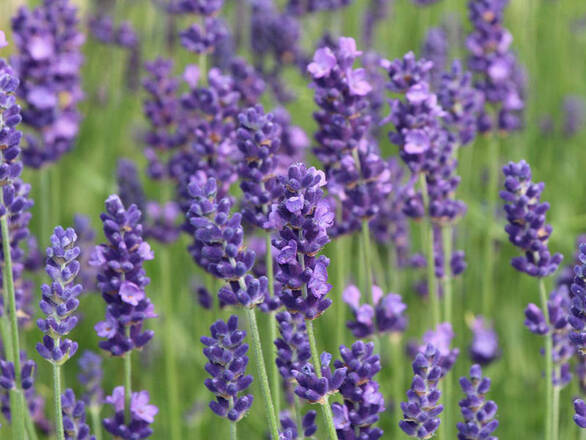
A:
122, 279
48, 64
227, 361
90, 376
314, 388
577, 316
478, 412
422, 409
302, 218
441, 338
59, 300
103, 29
293, 350
484, 348
574, 115
73, 413
436, 49
142, 415
387, 315
218, 246
526, 226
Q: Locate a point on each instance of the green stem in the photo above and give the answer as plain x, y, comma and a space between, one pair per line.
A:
492, 189
447, 279
393, 272
397, 365
427, 234
262, 372
60, 433
275, 376
325, 404
367, 262
45, 219
233, 431
127, 384
170, 353
556, 411
96, 422
31, 432
548, 366
340, 284
16, 396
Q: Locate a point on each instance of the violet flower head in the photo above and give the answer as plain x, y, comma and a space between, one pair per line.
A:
527, 228
478, 413
48, 63
293, 349
90, 376
436, 49
559, 305
258, 139
363, 401
122, 279
198, 7
484, 348
218, 246
580, 413
203, 39
577, 316
387, 316
441, 338
314, 388
227, 361
422, 409
129, 185
103, 29
302, 218
574, 115
27, 374
142, 415
86, 237
73, 413
60, 299
499, 76
294, 141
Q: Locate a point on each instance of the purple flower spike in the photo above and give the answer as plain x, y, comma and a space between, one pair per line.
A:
484, 348
48, 64
74, 423
580, 415
478, 413
258, 139
218, 246
441, 339
59, 300
386, 317
142, 415
122, 279
315, 389
527, 228
363, 402
293, 350
302, 218
90, 376
227, 361
577, 317
422, 409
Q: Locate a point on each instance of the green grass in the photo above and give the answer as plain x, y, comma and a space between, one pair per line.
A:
555, 59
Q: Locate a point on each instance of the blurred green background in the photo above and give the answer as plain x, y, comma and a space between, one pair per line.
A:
550, 39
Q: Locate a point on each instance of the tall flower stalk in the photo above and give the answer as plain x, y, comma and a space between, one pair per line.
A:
527, 229
59, 302
218, 247
14, 205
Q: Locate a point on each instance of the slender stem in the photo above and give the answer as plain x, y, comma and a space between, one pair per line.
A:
367, 261
45, 220
556, 411
262, 372
340, 284
275, 376
57, 399
16, 396
492, 189
31, 432
325, 404
397, 365
170, 353
429, 251
393, 272
548, 366
298, 415
447, 279
96, 423
127, 384
233, 431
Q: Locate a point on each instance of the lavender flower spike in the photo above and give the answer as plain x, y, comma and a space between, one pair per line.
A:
478, 413
59, 300
142, 415
122, 279
74, 423
227, 361
421, 411
577, 317
526, 216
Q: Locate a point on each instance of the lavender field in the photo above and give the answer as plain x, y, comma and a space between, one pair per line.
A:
293, 219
